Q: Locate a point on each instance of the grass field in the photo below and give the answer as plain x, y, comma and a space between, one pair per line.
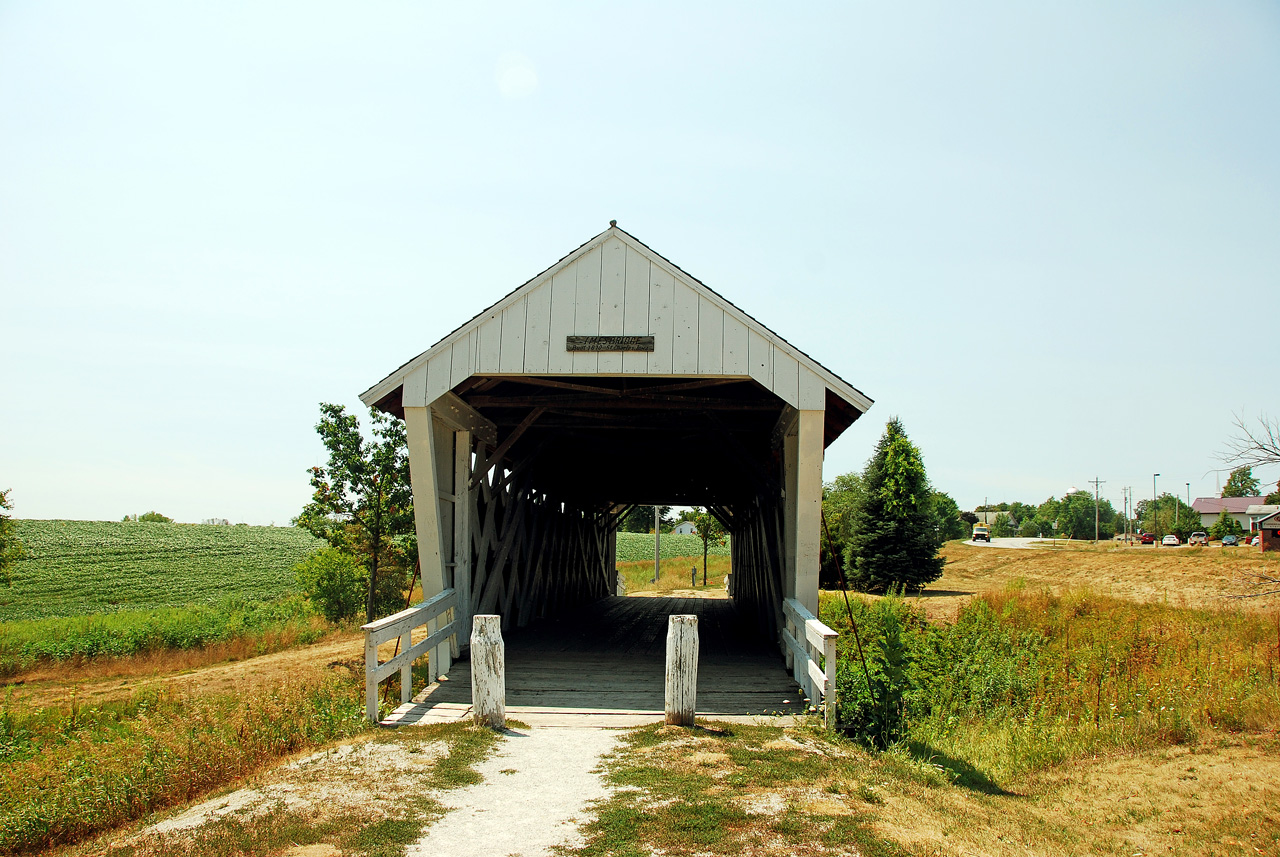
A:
93, 589
76, 568
638, 547
1186, 576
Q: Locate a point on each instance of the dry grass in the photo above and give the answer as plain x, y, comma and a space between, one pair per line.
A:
371, 796
674, 574
230, 668
1184, 577
793, 791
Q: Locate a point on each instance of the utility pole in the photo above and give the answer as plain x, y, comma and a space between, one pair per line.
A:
1096, 483
657, 544
1155, 517
1124, 494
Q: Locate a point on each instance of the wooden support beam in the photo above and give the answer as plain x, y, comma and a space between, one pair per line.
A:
505, 447
629, 401
454, 412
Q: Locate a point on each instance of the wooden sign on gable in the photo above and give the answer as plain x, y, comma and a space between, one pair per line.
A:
608, 343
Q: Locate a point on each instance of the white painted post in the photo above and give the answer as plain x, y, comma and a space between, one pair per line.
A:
829, 663
406, 671
488, 672
682, 669
370, 681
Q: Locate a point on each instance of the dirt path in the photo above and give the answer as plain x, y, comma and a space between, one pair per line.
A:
54, 687
535, 794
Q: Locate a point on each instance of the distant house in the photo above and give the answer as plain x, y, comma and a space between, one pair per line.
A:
1237, 507
685, 528
989, 518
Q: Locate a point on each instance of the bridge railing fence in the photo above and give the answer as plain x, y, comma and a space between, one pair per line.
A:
402, 625
810, 650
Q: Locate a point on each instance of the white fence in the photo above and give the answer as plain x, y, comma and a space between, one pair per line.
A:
810, 650
442, 637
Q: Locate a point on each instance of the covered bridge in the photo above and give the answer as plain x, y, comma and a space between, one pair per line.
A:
537, 424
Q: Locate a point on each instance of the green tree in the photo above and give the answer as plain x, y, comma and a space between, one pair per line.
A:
950, 524
1274, 496
711, 531
334, 581
152, 517
1168, 515
1225, 525
363, 501
1241, 484
11, 549
1075, 516
894, 541
640, 519
1002, 527
839, 498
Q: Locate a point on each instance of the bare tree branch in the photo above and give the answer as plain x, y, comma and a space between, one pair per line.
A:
1257, 578
1256, 446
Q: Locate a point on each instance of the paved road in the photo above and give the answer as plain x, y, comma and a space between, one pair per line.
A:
1019, 544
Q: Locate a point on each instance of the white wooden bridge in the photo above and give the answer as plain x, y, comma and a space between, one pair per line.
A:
613, 379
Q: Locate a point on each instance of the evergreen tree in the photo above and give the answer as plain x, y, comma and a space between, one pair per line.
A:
895, 540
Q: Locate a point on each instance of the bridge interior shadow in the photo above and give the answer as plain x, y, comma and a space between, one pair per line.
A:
610, 656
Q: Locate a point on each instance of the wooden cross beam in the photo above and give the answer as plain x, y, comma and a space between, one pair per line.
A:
505, 446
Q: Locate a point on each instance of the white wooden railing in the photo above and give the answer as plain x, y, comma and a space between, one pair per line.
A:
401, 625
810, 649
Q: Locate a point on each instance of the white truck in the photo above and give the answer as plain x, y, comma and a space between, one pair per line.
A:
981, 533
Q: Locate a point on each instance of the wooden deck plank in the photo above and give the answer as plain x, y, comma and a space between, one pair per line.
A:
607, 660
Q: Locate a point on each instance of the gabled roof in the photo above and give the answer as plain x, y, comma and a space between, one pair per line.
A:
771, 363
1233, 505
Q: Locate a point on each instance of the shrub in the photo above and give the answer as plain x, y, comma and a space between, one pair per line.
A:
334, 582
874, 712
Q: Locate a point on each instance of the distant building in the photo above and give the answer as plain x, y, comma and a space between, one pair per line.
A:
685, 528
1237, 507
1257, 512
1269, 532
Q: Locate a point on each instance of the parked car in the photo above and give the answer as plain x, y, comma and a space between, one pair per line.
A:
1255, 541
1198, 539
1230, 541
1148, 538
1170, 541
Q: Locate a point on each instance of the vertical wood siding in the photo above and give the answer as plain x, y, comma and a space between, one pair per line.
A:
616, 289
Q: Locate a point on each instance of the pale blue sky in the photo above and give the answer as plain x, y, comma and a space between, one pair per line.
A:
1047, 236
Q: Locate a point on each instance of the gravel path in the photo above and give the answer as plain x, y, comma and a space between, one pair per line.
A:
535, 790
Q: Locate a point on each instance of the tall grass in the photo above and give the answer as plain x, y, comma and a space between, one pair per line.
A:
25, 644
67, 774
638, 576
1024, 680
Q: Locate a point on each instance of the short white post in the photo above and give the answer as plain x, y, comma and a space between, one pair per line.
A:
488, 672
370, 678
406, 672
829, 697
682, 669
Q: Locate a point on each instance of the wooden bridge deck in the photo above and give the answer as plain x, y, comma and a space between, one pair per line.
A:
603, 664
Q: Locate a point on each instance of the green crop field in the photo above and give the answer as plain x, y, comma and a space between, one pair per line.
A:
75, 568
637, 547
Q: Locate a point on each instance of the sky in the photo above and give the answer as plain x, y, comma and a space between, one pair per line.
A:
1046, 236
